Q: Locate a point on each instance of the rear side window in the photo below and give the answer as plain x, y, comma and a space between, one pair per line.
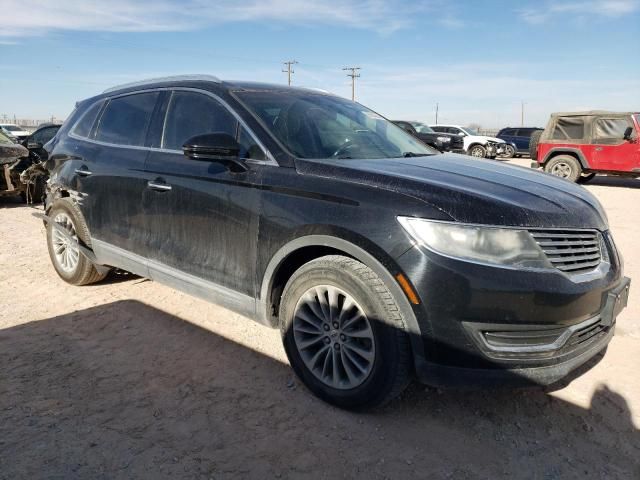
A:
611, 129
190, 114
569, 128
126, 119
85, 124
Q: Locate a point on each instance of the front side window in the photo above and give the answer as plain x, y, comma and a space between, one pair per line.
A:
190, 114
569, 128
126, 119
611, 130
322, 126
422, 128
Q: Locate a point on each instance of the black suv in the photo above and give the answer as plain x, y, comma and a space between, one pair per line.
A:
313, 214
443, 142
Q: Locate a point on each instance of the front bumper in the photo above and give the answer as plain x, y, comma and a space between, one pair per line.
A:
481, 324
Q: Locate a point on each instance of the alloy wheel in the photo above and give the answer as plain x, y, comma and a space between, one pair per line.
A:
334, 337
67, 254
562, 170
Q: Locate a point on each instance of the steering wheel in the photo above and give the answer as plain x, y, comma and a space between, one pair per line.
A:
344, 148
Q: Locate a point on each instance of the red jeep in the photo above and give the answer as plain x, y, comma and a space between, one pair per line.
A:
577, 146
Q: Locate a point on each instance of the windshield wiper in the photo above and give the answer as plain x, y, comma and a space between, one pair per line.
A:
414, 154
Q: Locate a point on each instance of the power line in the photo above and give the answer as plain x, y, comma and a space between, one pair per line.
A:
353, 76
289, 69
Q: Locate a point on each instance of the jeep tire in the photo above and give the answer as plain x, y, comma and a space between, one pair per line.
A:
564, 166
533, 144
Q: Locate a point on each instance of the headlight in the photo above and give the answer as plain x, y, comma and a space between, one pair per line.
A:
444, 139
493, 245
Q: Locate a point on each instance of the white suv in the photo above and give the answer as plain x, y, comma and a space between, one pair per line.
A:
14, 130
475, 144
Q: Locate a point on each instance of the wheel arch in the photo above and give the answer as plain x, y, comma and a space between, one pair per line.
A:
574, 152
296, 253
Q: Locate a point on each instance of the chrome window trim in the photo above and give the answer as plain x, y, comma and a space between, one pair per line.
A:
269, 161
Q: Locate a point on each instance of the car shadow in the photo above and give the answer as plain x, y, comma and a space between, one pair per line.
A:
612, 181
124, 390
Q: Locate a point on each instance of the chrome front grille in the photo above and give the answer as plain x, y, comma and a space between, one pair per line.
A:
572, 251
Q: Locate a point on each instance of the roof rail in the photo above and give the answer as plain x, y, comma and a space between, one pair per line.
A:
174, 78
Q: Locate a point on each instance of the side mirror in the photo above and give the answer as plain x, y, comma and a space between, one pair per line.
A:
215, 147
627, 133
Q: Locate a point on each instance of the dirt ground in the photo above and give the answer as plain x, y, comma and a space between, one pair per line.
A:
131, 379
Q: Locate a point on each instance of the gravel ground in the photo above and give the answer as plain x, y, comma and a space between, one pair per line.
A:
131, 379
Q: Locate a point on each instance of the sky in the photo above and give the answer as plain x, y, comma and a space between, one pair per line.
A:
478, 60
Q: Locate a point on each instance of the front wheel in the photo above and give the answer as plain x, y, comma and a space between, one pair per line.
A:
478, 151
343, 333
509, 152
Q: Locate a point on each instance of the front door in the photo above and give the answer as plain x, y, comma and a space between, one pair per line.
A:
201, 217
610, 151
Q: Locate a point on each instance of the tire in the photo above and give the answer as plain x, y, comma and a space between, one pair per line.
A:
359, 381
70, 265
478, 151
510, 152
564, 166
586, 177
533, 144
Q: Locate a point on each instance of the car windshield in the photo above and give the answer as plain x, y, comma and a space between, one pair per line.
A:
314, 125
4, 140
12, 128
422, 128
470, 131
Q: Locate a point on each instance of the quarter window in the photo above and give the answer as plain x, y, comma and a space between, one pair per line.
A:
126, 119
84, 126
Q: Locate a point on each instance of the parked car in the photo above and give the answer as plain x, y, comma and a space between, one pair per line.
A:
517, 140
36, 141
14, 131
577, 146
442, 142
11, 158
312, 214
475, 144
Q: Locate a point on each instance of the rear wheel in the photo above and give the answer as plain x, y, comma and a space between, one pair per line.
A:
564, 166
509, 152
533, 144
343, 333
70, 264
478, 151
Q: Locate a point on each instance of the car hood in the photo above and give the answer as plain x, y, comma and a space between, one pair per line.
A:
11, 153
474, 190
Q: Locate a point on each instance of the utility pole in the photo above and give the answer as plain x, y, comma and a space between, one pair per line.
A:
522, 104
437, 107
353, 76
289, 69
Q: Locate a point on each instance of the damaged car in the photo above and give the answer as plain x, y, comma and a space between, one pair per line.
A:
13, 161
376, 257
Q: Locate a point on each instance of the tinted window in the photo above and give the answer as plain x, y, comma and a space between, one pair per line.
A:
509, 132
83, 127
611, 128
44, 135
190, 114
436, 128
569, 128
126, 119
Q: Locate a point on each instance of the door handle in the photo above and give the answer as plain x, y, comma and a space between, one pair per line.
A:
159, 187
598, 149
83, 171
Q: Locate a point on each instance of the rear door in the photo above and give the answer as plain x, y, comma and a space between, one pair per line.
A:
610, 150
203, 218
111, 177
